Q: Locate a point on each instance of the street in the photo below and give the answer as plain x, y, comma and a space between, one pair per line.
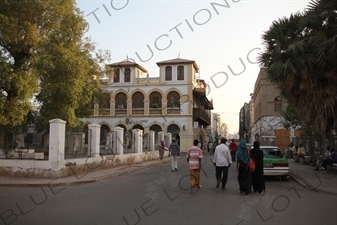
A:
155, 195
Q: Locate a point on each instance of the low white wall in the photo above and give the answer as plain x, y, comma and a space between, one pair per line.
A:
70, 167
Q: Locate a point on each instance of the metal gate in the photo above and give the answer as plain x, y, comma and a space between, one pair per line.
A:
129, 146
75, 146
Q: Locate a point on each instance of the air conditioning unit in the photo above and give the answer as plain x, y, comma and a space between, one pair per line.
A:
120, 106
155, 105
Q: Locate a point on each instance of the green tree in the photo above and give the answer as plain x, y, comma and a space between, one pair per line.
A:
293, 120
43, 53
301, 58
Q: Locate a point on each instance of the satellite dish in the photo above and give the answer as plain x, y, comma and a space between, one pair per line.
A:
127, 120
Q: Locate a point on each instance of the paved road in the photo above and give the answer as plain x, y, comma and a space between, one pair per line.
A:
155, 195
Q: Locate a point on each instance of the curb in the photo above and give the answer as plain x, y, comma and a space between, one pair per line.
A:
305, 184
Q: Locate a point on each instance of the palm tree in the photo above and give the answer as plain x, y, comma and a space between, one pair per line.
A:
301, 58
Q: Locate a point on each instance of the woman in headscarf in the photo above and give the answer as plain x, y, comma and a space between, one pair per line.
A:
257, 176
162, 149
242, 167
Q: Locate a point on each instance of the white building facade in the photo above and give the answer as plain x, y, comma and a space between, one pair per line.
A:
175, 102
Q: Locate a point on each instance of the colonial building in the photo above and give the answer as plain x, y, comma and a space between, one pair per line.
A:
174, 102
265, 110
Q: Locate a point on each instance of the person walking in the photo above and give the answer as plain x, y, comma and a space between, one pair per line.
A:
162, 149
210, 147
222, 161
194, 156
233, 147
174, 152
257, 176
242, 167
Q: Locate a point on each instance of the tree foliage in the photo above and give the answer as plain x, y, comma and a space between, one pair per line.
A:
293, 120
301, 58
44, 54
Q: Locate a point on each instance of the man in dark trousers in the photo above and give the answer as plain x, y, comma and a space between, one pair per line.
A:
222, 161
174, 151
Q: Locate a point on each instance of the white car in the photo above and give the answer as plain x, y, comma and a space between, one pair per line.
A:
274, 162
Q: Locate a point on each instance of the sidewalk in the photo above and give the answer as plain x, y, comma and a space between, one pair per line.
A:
313, 180
80, 179
303, 174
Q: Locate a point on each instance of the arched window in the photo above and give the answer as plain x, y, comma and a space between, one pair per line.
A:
116, 75
155, 100
278, 104
127, 75
173, 99
121, 101
105, 101
138, 100
168, 73
180, 73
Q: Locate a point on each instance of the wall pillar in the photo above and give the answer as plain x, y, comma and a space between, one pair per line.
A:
57, 143
137, 143
95, 139
151, 141
118, 139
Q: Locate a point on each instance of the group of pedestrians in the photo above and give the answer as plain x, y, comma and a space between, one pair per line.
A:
173, 152
223, 157
222, 161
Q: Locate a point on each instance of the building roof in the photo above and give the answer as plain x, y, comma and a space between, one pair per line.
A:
178, 61
127, 63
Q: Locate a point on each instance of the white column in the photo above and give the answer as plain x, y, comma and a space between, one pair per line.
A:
95, 136
118, 139
137, 142
57, 143
151, 141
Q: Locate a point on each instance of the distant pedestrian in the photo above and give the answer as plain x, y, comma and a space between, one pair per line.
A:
194, 156
162, 149
174, 151
233, 147
242, 167
210, 147
222, 161
213, 148
257, 176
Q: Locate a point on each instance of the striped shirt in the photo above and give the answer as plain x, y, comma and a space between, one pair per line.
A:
194, 154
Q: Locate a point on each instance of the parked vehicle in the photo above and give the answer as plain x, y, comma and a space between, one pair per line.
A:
275, 164
249, 145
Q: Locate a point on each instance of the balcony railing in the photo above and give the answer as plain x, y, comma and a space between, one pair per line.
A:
199, 113
149, 81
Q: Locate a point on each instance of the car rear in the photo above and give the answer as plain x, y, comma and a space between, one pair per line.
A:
274, 162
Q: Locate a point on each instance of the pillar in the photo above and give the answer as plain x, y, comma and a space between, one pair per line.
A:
94, 140
57, 143
151, 141
137, 136
118, 139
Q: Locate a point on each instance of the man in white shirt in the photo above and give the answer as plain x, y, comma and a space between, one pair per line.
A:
222, 161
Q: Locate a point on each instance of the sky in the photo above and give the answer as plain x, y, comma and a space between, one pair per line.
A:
224, 38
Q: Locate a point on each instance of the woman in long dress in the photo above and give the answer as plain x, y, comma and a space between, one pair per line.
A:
162, 149
242, 167
257, 176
